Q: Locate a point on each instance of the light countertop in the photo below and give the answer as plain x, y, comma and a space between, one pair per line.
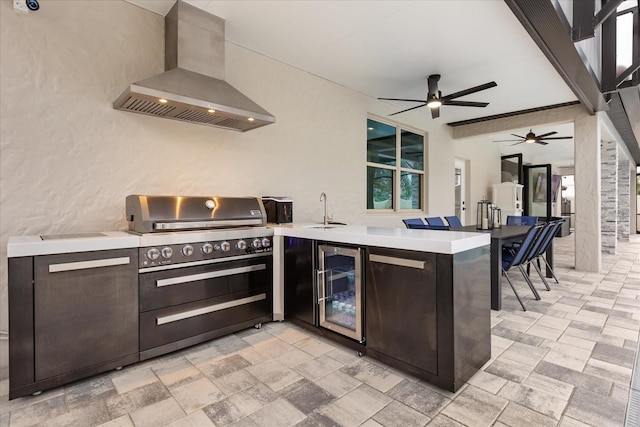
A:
438, 241
446, 242
67, 243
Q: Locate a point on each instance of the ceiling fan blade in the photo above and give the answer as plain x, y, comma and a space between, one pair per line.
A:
408, 109
435, 112
432, 83
518, 136
558, 137
470, 90
541, 142
546, 134
507, 140
521, 142
465, 103
402, 99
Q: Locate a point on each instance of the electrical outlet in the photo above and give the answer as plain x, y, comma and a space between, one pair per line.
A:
20, 6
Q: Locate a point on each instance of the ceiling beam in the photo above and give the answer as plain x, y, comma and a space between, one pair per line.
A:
508, 124
550, 31
607, 10
624, 107
511, 114
585, 20
583, 12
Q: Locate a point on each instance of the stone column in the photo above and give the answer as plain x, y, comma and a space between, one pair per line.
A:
587, 135
624, 198
609, 198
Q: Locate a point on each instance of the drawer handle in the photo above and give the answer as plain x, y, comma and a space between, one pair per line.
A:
402, 262
209, 275
83, 265
209, 309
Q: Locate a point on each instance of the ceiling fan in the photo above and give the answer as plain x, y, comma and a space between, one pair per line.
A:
435, 99
531, 138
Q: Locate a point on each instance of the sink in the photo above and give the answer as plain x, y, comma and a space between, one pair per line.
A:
320, 226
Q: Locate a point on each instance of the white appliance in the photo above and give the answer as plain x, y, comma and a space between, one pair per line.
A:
508, 197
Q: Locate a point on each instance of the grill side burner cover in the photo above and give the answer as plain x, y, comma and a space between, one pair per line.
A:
148, 214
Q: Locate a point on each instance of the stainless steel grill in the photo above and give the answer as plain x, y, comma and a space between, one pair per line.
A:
149, 214
205, 268
179, 231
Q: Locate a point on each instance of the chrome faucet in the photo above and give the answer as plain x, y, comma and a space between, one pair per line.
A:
323, 198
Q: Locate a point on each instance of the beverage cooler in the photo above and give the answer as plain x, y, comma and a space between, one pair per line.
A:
339, 290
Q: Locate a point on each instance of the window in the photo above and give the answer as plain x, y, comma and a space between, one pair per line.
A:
395, 167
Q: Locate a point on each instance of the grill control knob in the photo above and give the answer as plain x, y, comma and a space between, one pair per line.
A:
242, 245
225, 246
166, 252
187, 250
256, 243
153, 254
266, 242
207, 248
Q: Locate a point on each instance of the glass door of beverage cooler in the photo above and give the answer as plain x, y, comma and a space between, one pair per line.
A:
340, 290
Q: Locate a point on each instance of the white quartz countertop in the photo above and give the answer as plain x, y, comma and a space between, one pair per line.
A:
18, 246
438, 241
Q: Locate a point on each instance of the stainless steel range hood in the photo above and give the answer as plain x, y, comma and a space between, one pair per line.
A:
193, 87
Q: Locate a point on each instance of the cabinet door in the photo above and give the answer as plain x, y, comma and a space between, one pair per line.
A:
85, 310
401, 306
299, 297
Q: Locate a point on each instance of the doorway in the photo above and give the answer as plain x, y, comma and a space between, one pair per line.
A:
460, 190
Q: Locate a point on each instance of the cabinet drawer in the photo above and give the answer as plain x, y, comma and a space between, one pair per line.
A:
167, 325
85, 310
184, 285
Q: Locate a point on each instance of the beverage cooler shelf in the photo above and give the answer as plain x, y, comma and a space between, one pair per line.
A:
343, 309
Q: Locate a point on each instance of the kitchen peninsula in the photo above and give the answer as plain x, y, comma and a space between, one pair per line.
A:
425, 299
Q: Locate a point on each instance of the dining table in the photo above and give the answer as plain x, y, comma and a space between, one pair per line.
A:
500, 236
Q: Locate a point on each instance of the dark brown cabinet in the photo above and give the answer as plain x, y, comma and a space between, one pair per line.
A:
401, 306
72, 315
429, 314
300, 301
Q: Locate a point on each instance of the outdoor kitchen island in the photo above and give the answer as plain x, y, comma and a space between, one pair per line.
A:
418, 300
78, 302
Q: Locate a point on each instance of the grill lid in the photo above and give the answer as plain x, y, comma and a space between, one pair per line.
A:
149, 214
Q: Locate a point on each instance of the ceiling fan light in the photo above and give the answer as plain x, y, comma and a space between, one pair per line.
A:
531, 138
434, 103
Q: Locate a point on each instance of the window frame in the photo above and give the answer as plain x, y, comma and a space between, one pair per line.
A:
398, 170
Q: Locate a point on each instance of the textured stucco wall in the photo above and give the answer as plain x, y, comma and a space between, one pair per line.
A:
68, 159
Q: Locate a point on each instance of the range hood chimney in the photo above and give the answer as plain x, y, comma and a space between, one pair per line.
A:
192, 89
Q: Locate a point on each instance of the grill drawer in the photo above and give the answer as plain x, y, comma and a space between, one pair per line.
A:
184, 285
176, 323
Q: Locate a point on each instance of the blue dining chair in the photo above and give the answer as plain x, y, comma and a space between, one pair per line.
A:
554, 226
414, 223
521, 220
453, 221
520, 256
537, 248
436, 223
